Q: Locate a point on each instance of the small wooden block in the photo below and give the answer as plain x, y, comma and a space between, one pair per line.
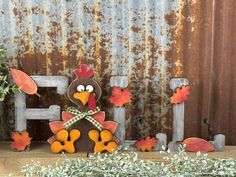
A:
219, 142
162, 141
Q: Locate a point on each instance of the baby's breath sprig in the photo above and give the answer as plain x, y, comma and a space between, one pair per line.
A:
125, 164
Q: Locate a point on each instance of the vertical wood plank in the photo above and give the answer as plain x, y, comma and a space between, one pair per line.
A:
119, 112
178, 111
178, 115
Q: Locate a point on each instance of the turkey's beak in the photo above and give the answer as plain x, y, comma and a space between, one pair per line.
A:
82, 96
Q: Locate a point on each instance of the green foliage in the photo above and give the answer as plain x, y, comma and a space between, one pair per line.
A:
5, 86
124, 164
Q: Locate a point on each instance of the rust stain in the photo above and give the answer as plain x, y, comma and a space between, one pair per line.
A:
116, 38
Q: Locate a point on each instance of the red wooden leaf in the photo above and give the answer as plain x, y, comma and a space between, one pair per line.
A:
180, 95
21, 141
146, 144
197, 144
24, 82
120, 97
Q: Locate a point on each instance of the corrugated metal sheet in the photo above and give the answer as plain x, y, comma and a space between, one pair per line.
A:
149, 41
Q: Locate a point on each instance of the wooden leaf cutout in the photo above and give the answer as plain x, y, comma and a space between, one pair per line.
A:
180, 95
146, 144
21, 141
120, 97
197, 144
24, 82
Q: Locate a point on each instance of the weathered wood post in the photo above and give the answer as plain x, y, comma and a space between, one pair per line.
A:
162, 141
119, 112
219, 142
22, 114
178, 115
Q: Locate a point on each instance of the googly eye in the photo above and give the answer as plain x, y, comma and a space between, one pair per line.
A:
80, 88
89, 88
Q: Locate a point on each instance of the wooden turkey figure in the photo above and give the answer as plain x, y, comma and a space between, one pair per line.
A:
86, 118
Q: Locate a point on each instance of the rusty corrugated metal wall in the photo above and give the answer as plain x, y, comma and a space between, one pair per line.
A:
149, 41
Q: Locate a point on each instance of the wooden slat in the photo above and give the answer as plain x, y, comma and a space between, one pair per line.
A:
11, 161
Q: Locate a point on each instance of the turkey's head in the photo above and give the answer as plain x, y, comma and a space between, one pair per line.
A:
84, 91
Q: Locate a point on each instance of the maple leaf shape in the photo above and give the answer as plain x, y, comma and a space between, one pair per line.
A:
146, 144
120, 97
21, 141
180, 95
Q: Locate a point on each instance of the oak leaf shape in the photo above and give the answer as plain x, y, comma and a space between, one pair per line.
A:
146, 144
180, 95
120, 97
21, 140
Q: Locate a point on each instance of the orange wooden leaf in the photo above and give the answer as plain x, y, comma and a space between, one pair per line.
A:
21, 141
146, 144
120, 97
180, 95
24, 82
194, 144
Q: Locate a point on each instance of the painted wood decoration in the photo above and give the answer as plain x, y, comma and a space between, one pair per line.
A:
178, 115
119, 112
65, 141
22, 113
84, 92
162, 141
219, 142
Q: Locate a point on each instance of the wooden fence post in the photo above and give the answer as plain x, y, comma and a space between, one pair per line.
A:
162, 141
178, 115
119, 112
219, 142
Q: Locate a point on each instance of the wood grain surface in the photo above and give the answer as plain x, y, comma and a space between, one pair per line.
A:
11, 161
